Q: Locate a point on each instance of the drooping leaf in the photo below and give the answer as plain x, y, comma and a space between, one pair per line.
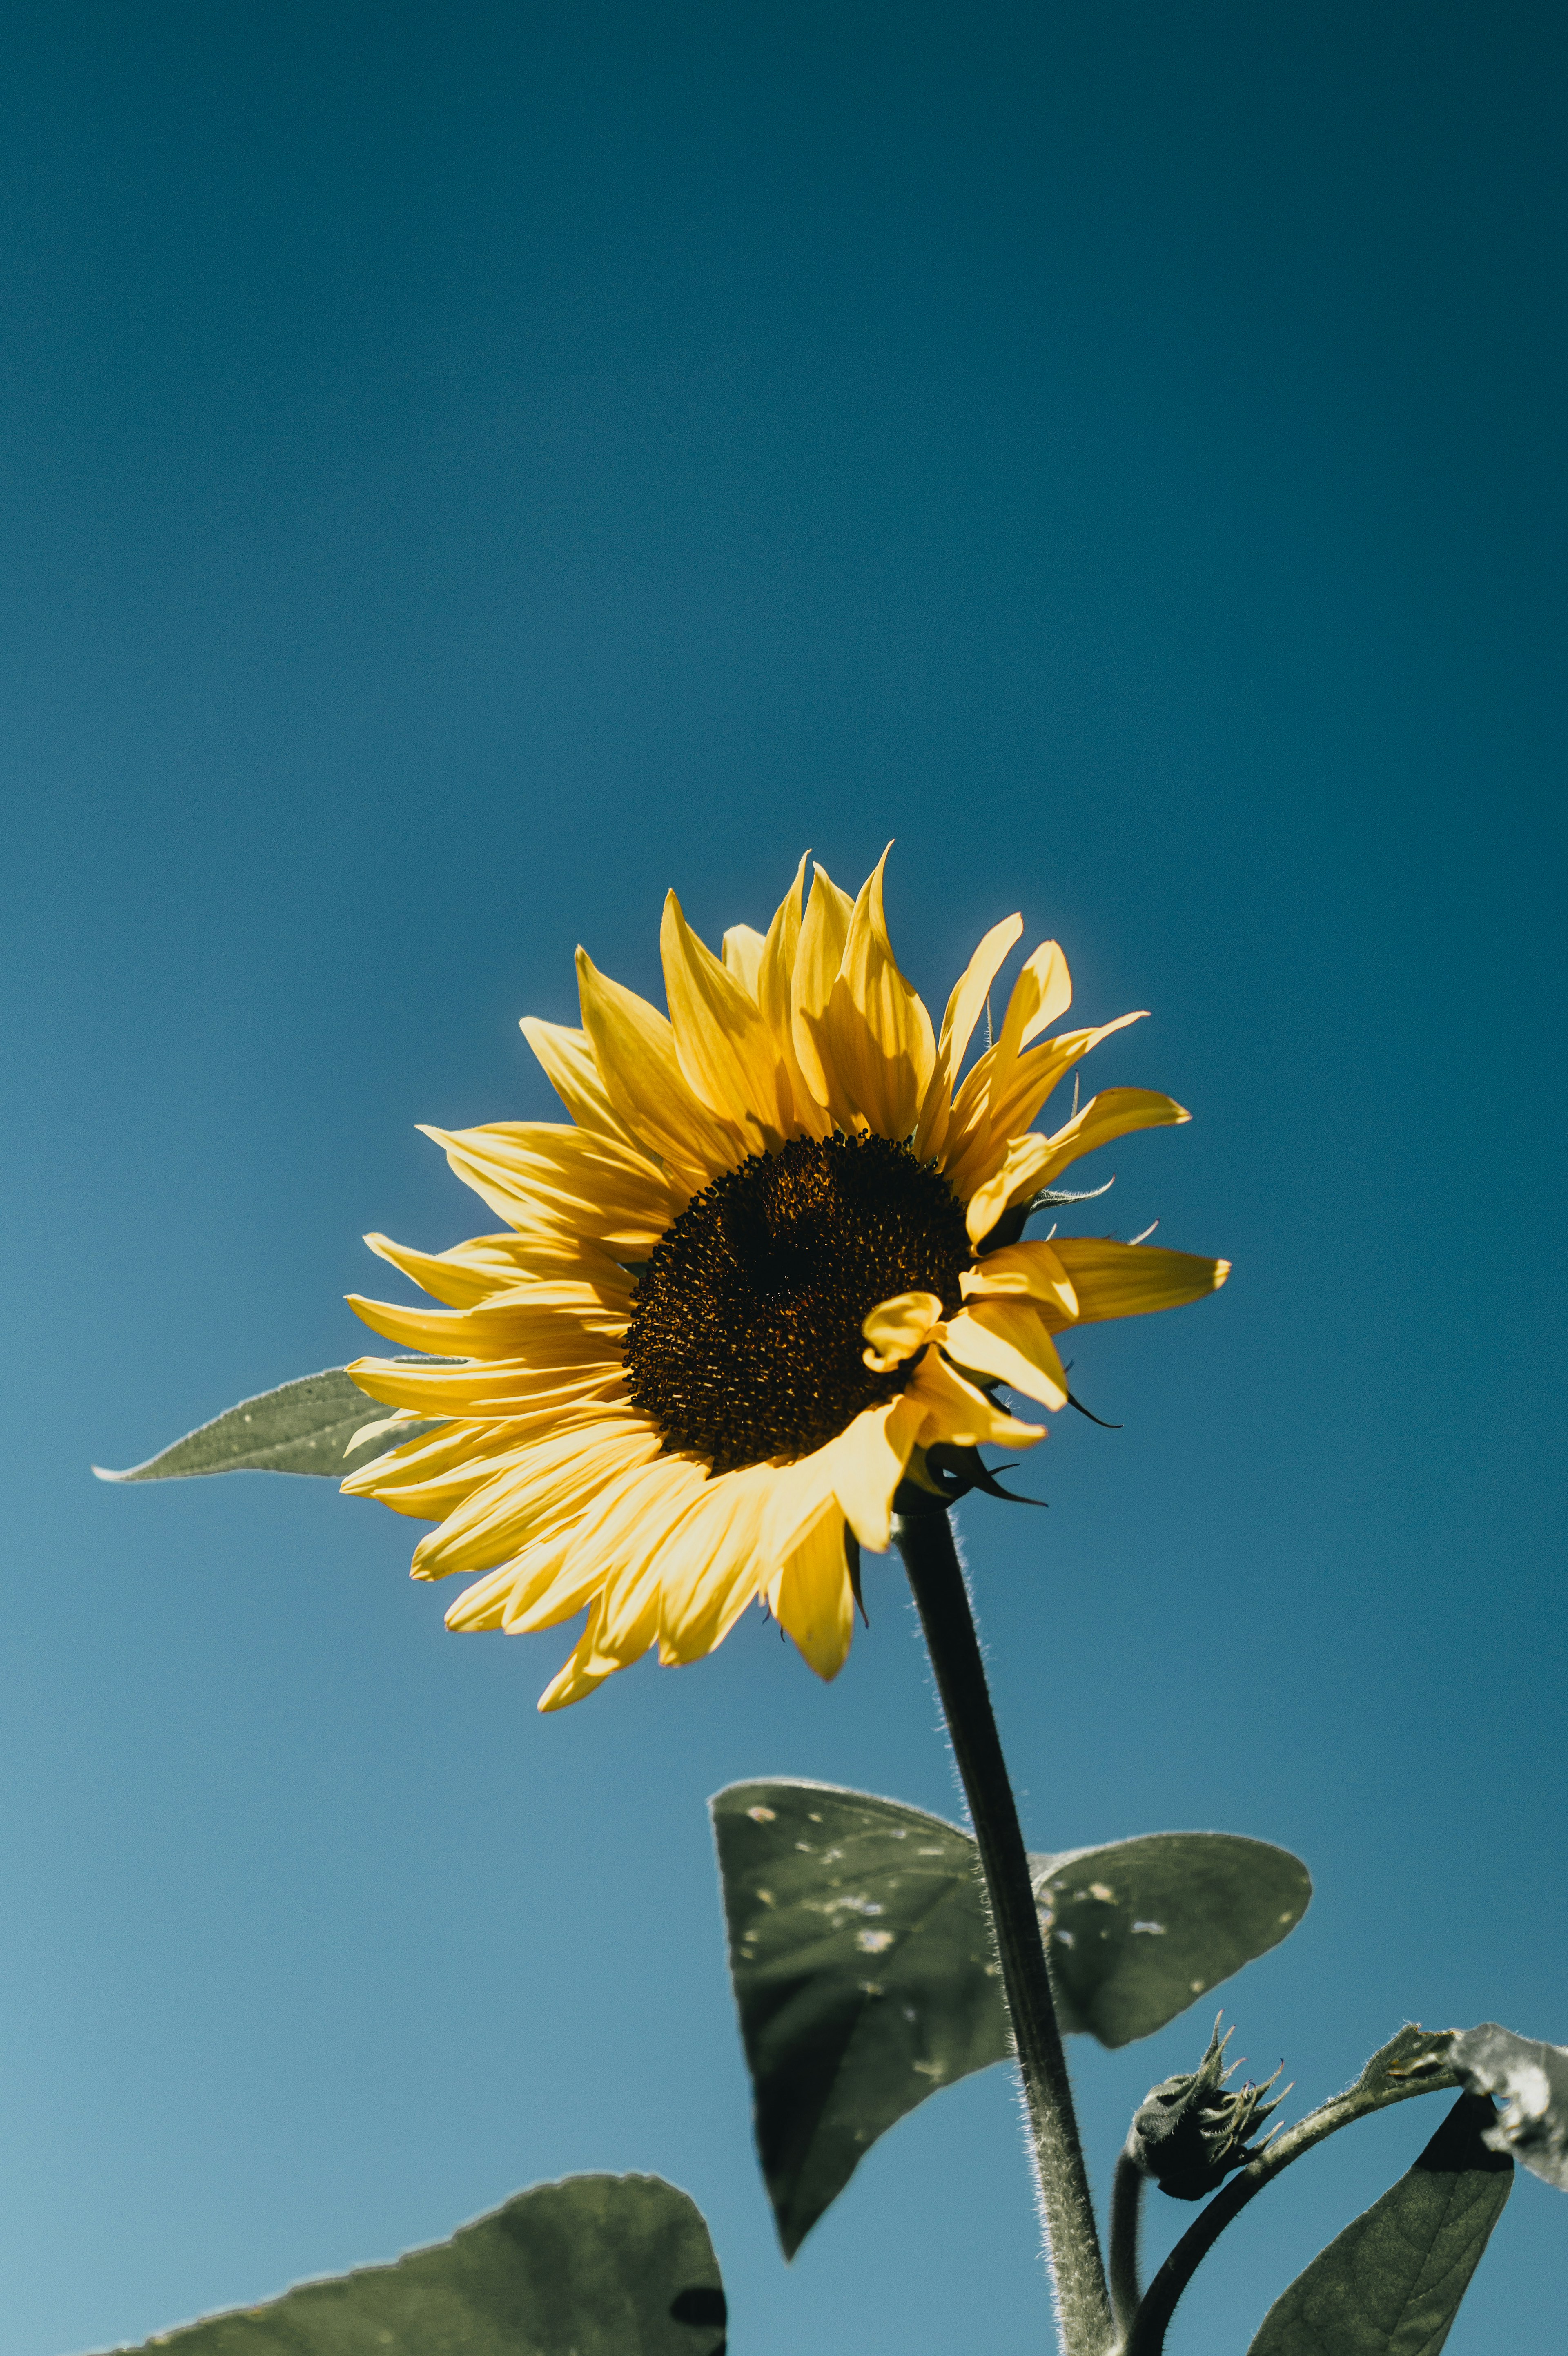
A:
1531, 2080
302, 1427
864, 1971
1139, 1929
595, 2265
1392, 2283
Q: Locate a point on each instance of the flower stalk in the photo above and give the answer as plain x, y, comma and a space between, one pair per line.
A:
924, 1534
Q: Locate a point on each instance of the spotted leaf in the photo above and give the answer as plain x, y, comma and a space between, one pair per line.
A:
865, 1977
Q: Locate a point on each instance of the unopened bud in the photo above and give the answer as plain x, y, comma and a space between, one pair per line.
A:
1190, 2132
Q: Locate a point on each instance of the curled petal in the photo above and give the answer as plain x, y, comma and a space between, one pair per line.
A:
1031, 1271
962, 1415
1009, 1342
896, 1329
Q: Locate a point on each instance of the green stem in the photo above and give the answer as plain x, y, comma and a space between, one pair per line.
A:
923, 1536
1126, 2212
1148, 2335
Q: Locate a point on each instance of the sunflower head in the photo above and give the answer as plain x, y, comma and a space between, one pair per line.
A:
772, 1258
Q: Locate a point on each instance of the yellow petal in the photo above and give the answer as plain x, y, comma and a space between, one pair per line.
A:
1029, 1271
776, 983
1017, 1097
1115, 1112
506, 1326
811, 1598
884, 1049
1032, 1162
1114, 1280
572, 1366
1042, 991
969, 995
472, 1272
581, 1672
484, 1604
572, 1071
868, 1461
626, 1525
430, 1455
558, 1479
744, 947
544, 1175
896, 1329
961, 1415
635, 1047
1009, 1342
1018, 1177
710, 1565
822, 937
726, 1052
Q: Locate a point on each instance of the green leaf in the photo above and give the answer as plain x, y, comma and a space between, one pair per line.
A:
303, 1427
1141, 1928
1532, 2080
595, 2265
1392, 2283
864, 1972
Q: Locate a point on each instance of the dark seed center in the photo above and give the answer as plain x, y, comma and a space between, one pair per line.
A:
745, 1340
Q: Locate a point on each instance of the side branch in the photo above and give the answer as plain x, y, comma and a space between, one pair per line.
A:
1425, 2072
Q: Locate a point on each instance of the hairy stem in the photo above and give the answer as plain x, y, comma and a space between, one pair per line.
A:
1126, 2211
1148, 2335
924, 1539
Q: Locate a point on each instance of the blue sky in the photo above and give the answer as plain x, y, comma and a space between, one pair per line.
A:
464, 471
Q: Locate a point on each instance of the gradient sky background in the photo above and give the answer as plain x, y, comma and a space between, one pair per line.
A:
465, 470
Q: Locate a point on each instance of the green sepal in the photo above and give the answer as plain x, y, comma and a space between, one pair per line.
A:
1391, 2283
593, 2265
305, 1426
865, 1975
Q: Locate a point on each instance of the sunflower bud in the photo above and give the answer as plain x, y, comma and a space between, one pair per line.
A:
1190, 2133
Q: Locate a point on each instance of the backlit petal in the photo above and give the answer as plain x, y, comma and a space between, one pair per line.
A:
969, 995
823, 934
1112, 1279
883, 1048
1009, 1342
811, 1598
635, 1047
725, 1049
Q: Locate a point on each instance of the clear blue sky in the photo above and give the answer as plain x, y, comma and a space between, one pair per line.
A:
462, 471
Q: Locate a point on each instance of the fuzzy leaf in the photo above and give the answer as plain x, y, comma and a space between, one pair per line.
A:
303, 1427
595, 2265
1531, 2079
865, 1977
1392, 2283
1141, 1929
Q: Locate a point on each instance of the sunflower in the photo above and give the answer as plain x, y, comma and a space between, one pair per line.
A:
772, 1268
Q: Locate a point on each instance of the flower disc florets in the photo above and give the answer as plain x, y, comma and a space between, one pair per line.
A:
745, 1341
771, 1270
